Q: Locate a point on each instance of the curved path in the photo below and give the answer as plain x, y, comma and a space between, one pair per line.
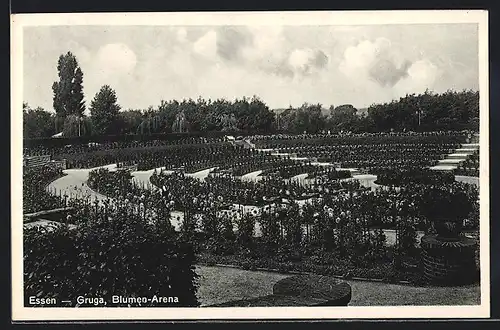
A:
252, 176
74, 183
201, 175
142, 177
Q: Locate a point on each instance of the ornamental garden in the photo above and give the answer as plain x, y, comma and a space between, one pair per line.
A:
366, 206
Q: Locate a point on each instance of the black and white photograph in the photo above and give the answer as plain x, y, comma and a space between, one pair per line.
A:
250, 165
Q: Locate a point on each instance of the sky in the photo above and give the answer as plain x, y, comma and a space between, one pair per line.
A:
282, 65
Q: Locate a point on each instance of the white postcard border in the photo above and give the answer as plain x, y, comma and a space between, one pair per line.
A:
350, 18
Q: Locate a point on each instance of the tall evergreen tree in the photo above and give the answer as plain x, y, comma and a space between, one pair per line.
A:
104, 111
68, 91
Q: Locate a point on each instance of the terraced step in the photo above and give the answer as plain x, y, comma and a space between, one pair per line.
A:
458, 155
281, 154
443, 167
299, 158
466, 150
450, 161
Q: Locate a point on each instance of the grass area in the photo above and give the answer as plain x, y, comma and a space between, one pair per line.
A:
221, 284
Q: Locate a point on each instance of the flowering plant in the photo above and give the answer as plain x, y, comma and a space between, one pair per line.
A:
446, 206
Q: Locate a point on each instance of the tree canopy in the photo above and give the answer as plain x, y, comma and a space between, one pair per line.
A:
37, 123
104, 111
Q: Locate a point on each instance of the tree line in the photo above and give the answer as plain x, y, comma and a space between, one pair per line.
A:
429, 111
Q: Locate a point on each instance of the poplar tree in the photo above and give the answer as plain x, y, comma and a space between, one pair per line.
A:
68, 91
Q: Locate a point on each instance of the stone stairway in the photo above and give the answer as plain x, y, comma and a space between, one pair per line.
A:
449, 163
452, 160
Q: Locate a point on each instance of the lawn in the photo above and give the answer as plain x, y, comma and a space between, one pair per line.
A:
221, 284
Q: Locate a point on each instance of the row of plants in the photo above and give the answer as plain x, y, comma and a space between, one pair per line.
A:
184, 189
325, 263
328, 173
288, 171
467, 172
283, 141
35, 181
192, 157
380, 209
401, 177
376, 155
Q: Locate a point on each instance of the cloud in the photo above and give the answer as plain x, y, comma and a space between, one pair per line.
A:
420, 75
231, 41
116, 59
268, 52
281, 64
386, 73
306, 61
206, 45
82, 54
377, 60
259, 48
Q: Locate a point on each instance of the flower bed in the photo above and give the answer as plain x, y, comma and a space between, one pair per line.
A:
401, 177
35, 182
328, 264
